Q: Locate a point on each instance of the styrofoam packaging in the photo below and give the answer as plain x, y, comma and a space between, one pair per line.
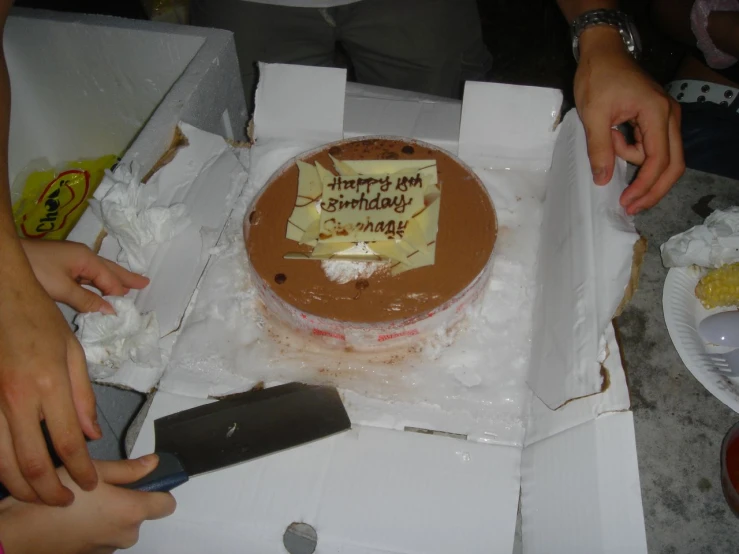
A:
369, 336
90, 85
86, 85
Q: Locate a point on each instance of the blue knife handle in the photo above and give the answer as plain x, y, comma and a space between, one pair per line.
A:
168, 474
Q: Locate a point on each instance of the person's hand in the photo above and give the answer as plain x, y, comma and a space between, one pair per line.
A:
43, 376
610, 89
62, 267
43, 373
99, 522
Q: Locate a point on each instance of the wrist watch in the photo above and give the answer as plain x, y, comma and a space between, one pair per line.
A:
614, 18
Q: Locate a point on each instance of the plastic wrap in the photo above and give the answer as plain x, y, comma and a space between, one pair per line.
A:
368, 336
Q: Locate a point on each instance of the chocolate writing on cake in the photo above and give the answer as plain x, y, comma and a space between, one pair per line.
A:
369, 208
365, 204
385, 183
391, 229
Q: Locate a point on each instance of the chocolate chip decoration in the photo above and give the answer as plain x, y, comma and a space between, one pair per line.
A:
280, 278
407, 150
362, 284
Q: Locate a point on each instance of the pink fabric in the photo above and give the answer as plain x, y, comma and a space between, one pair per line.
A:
699, 25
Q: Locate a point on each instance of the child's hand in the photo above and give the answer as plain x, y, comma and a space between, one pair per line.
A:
99, 521
62, 268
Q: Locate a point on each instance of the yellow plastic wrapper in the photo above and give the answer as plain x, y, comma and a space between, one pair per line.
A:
54, 199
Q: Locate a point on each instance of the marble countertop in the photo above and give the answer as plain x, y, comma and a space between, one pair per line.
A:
679, 424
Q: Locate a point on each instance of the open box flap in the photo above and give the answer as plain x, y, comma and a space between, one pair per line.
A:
298, 102
381, 111
580, 490
509, 127
205, 175
365, 491
204, 183
544, 422
580, 285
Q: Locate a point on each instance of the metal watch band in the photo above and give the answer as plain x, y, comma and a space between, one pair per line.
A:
614, 18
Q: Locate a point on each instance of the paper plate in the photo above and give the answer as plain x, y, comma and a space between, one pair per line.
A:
683, 312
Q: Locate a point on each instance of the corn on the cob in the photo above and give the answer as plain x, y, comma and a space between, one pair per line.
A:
719, 287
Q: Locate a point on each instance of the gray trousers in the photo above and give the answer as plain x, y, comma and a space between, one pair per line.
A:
429, 46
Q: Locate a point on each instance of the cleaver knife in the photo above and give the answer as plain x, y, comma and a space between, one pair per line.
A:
240, 428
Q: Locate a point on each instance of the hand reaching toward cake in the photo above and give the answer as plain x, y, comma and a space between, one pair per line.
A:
610, 89
43, 373
63, 267
51, 381
43, 376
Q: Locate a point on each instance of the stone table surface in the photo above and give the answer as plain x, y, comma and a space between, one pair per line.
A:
679, 424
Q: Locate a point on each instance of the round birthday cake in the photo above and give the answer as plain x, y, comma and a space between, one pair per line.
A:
370, 241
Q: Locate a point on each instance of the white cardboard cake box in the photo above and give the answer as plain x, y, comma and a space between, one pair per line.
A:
374, 490
370, 490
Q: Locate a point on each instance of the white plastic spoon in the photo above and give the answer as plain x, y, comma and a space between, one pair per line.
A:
721, 329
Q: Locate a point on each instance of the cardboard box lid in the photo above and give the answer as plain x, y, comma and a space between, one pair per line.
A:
203, 175
585, 259
509, 127
382, 491
580, 491
587, 241
544, 422
373, 110
365, 491
312, 111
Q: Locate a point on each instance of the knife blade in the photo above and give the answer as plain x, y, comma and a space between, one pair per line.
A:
240, 428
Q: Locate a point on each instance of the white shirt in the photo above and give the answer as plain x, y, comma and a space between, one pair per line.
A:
306, 3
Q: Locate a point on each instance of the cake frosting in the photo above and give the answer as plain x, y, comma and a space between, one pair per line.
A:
362, 292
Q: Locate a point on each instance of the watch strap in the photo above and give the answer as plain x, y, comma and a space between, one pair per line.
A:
617, 19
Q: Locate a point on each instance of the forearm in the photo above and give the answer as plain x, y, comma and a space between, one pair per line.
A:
6, 217
6, 220
13, 263
7, 227
723, 28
